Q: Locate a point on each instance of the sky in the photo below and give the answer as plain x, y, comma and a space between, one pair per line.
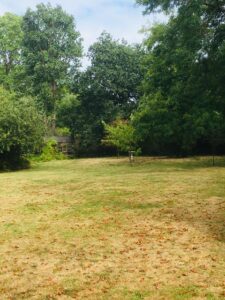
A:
121, 18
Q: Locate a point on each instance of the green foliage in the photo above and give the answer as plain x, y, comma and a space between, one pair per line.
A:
183, 103
11, 36
67, 111
159, 5
116, 70
107, 90
10, 41
49, 152
21, 128
171, 87
62, 131
52, 46
121, 135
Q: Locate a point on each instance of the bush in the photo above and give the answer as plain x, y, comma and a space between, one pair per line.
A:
8, 161
21, 130
121, 135
62, 131
49, 152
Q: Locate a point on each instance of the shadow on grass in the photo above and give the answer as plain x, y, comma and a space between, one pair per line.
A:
121, 166
209, 217
161, 164
96, 208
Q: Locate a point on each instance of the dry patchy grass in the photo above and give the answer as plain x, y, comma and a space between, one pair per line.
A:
102, 229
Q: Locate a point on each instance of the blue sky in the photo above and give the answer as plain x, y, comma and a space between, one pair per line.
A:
121, 18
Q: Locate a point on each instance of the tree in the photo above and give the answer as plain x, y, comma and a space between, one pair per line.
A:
11, 36
67, 111
108, 89
183, 81
121, 135
116, 70
21, 129
52, 47
214, 8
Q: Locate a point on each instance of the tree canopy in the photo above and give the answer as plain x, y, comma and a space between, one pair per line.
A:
183, 91
51, 48
121, 135
165, 95
11, 36
21, 128
107, 89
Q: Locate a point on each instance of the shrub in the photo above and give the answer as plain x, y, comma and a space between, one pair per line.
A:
49, 152
121, 135
21, 130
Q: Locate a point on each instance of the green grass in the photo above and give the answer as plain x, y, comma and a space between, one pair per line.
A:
103, 229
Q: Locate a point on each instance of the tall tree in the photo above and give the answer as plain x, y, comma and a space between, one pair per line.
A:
116, 69
108, 89
52, 46
120, 134
214, 8
21, 129
184, 94
10, 47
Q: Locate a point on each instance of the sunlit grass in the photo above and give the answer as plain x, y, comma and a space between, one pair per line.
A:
103, 229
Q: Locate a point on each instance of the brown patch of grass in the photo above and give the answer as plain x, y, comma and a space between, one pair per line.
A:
102, 229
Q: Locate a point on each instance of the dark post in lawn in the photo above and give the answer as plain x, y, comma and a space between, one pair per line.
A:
131, 156
213, 151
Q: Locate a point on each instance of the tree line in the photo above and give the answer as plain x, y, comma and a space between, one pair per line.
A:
165, 96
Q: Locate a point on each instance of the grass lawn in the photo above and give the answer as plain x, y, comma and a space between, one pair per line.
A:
102, 229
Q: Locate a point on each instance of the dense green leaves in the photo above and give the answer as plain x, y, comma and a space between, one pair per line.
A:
10, 41
108, 89
52, 46
11, 35
116, 69
21, 128
169, 91
158, 5
121, 135
183, 103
